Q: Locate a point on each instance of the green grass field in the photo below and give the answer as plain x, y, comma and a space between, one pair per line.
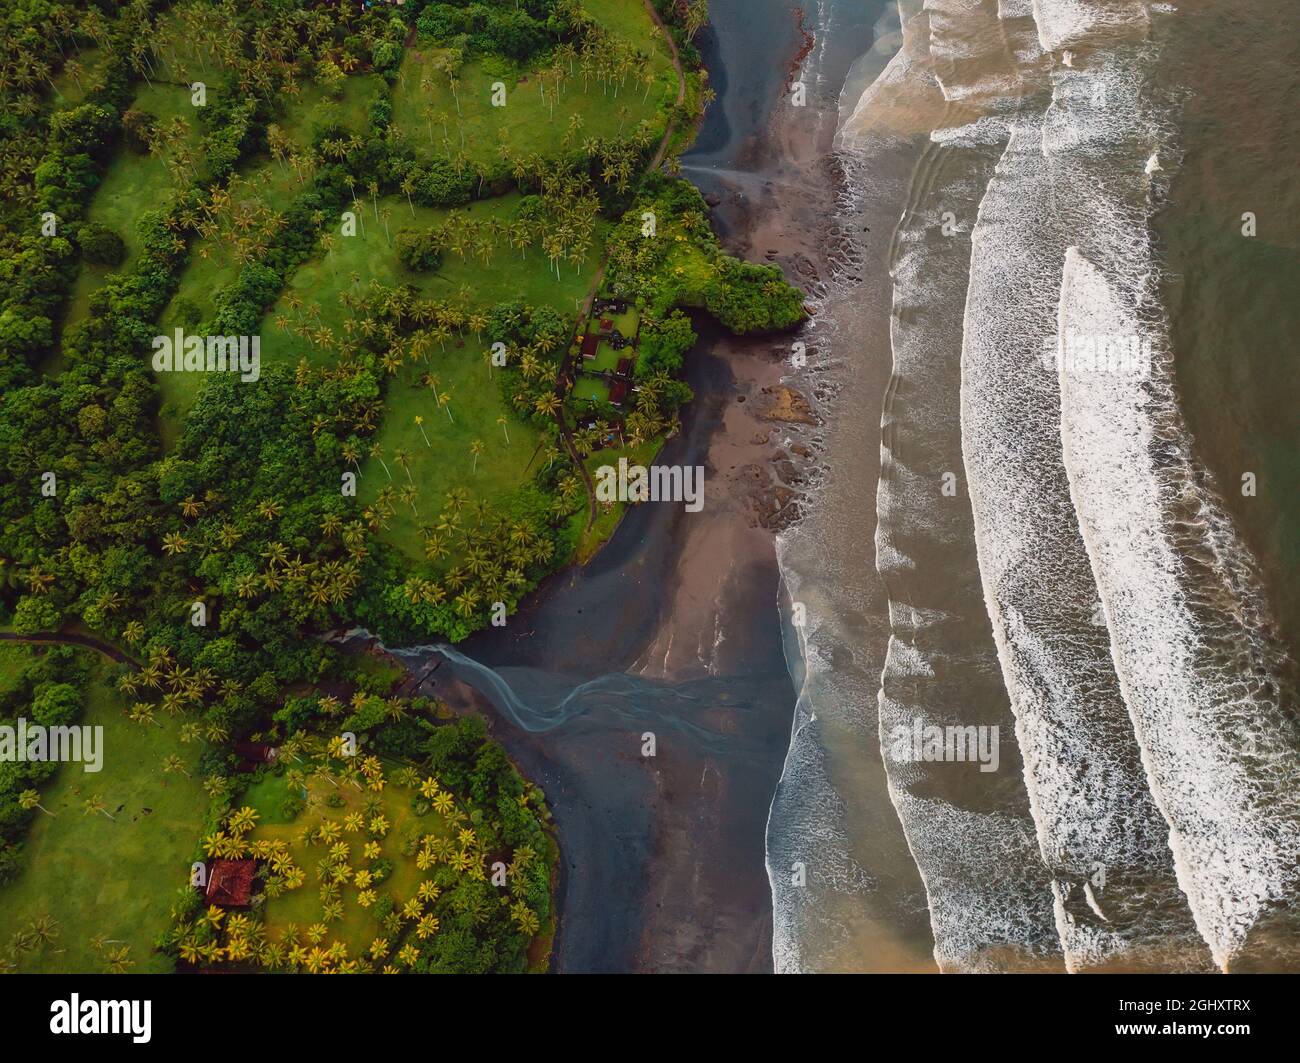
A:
627, 322
314, 108
609, 515
213, 265
607, 358
370, 255
590, 388
447, 462
112, 877
132, 185
79, 74
443, 124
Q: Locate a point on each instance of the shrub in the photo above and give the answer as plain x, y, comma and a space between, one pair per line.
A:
419, 250
101, 245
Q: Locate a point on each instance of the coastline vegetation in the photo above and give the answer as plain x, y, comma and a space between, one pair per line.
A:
414, 208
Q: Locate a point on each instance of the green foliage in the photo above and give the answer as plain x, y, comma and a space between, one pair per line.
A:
419, 250
682, 265
663, 345
238, 505
101, 245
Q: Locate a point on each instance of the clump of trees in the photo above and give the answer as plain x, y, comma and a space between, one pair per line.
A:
101, 245
47, 691
683, 265
419, 250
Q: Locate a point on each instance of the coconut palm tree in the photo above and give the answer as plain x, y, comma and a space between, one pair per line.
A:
419, 423
377, 452
403, 458
30, 799
95, 803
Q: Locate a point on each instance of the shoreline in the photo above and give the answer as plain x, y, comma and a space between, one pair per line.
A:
663, 860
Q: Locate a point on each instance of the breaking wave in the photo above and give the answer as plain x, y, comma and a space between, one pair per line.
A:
1056, 560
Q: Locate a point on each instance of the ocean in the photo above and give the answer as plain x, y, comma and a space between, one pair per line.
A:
1043, 378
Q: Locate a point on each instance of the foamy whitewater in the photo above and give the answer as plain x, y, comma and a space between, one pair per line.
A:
1077, 584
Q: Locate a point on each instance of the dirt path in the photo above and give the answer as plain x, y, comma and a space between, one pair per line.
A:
52, 638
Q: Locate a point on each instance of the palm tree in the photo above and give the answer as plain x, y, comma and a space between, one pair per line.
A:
403, 458
502, 422
475, 449
377, 452
95, 803
30, 799
419, 423
242, 819
174, 543
42, 931
351, 452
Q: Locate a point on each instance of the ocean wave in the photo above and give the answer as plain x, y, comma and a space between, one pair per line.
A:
1196, 660
1150, 817
1065, 174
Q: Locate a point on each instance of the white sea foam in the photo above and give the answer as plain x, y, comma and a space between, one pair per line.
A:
965, 830
1107, 770
1070, 23
1195, 689
1076, 177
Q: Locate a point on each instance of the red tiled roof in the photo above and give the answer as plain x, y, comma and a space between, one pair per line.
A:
590, 343
230, 882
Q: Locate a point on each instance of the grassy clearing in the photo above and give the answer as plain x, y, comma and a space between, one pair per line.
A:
610, 514
79, 75
315, 108
627, 322
370, 255
590, 388
133, 185
446, 462
441, 124
112, 877
607, 358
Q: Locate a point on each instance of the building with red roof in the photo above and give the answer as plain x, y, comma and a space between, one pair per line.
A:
230, 883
